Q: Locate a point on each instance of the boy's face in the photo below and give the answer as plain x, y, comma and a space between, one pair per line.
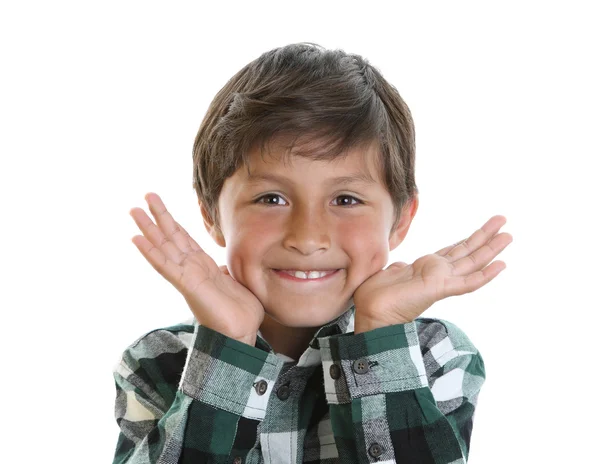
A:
307, 221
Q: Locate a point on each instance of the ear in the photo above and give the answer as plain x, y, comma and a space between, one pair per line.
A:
211, 226
408, 213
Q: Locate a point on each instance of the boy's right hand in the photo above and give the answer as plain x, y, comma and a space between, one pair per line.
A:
217, 300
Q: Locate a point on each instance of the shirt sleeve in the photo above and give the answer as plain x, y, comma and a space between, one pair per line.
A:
211, 415
402, 393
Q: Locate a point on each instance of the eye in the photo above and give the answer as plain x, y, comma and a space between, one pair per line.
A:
272, 199
347, 199
269, 196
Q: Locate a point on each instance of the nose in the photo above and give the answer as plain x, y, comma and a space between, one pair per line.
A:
307, 231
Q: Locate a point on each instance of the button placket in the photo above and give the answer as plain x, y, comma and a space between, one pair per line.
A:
283, 392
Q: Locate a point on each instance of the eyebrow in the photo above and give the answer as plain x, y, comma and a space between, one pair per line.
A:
358, 177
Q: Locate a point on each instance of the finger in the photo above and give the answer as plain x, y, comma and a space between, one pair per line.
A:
156, 237
460, 285
191, 242
157, 259
482, 256
479, 238
169, 227
444, 251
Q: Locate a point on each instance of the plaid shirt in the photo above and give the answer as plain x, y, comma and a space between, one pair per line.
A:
402, 393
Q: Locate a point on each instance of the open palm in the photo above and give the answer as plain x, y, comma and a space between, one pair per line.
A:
402, 292
215, 298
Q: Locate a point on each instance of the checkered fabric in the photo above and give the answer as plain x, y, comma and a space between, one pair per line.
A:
405, 393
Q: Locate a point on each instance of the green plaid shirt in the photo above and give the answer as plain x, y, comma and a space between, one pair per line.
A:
403, 393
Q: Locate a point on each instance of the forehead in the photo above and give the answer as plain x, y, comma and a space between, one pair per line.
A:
360, 164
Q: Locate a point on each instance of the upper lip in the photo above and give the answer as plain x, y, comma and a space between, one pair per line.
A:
306, 269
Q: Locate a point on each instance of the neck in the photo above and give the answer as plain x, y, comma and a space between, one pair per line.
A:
290, 341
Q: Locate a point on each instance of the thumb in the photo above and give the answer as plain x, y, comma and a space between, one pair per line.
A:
397, 264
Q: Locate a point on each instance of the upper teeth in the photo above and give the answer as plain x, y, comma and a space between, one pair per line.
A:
307, 275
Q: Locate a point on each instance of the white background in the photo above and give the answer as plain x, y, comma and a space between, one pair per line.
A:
100, 103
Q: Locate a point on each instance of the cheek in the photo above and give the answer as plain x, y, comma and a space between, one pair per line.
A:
249, 232
366, 244
248, 245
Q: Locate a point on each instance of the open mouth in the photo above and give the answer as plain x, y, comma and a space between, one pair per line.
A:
300, 276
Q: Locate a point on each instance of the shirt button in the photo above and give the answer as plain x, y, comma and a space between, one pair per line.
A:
375, 450
261, 387
283, 393
360, 366
335, 372
237, 460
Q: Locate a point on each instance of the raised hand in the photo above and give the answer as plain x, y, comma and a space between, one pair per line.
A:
401, 292
215, 298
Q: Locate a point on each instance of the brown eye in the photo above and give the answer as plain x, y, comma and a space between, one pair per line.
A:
347, 200
272, 199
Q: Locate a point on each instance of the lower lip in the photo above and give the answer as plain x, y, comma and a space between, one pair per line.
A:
286, 276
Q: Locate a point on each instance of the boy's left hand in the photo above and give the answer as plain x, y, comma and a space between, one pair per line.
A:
401, 292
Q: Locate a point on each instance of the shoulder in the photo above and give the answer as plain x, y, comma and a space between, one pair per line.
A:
161, 350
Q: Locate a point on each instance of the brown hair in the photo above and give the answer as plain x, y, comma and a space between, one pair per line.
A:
303, 91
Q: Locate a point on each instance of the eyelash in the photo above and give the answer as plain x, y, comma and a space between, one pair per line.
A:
258, 200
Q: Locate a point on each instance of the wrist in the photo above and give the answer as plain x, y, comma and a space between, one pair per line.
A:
248, 340
366, 324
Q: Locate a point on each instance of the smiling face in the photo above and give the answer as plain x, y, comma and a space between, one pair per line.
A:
328, 216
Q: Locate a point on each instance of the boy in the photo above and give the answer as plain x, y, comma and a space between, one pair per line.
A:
303, 348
